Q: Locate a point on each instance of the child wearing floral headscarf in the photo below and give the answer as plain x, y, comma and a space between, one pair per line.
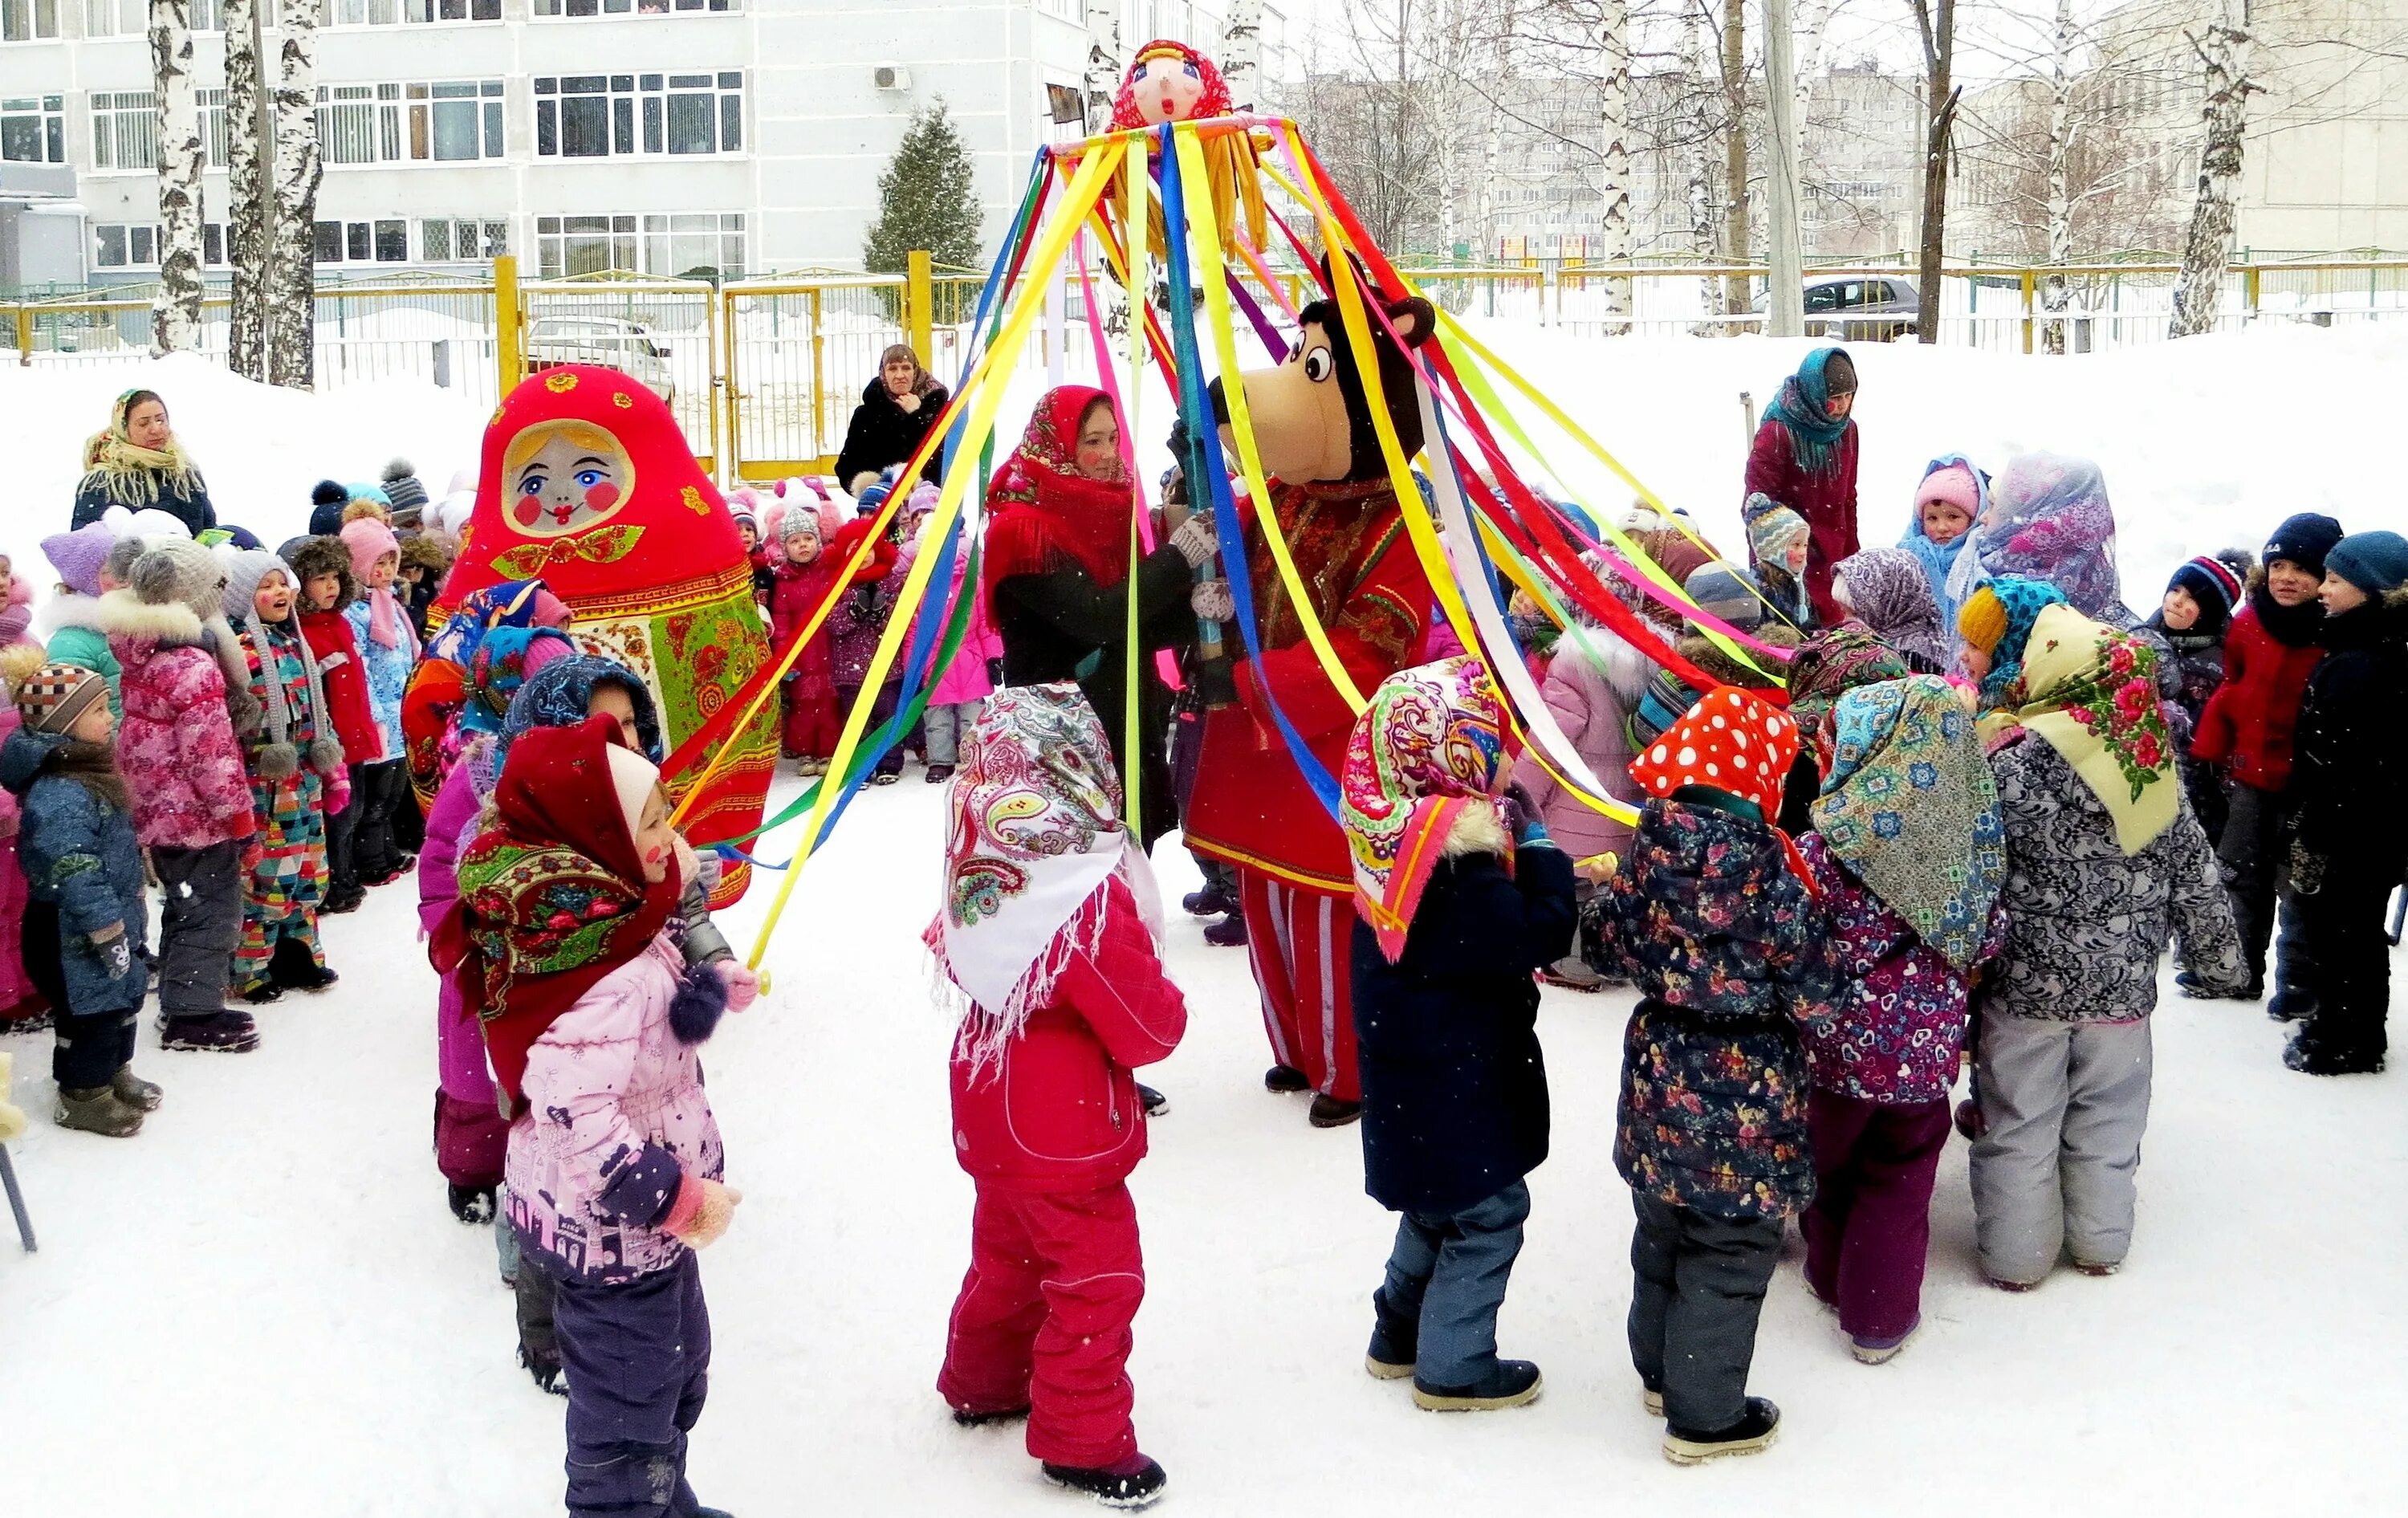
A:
1995, 624
1459, 903
1048, 941
2105, 863
1711, 918
1907, 858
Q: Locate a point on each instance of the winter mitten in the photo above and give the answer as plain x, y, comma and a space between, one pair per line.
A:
2307, 870
1196, 541
116, 955
743, 986
703, 1212
1212, 600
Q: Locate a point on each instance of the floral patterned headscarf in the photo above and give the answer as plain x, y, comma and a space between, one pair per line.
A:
505, 659
1430, 744
1827, 666
1910, 806
2094, 698
1036, 841
2050, 521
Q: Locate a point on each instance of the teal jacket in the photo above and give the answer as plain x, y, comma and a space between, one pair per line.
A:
74, 638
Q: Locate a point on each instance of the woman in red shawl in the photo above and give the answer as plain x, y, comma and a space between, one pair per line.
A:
587, 483
1057, 571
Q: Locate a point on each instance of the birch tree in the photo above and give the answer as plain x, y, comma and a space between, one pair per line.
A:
1700, 129
250, 213
176, 315
1104, 54
2053, 290
292, 278
1241, 54
1613, 157
2224, 54
1935, 22
1734, 75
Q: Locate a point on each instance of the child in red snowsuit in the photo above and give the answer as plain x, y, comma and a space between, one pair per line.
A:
801, 583
1064, 997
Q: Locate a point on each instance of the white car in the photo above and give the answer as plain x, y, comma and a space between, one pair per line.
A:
608, 341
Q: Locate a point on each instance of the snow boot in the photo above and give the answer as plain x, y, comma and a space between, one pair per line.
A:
211, 1033
2101, 1270
134, 1091
2311, 1058
1651, 1398
548, 1372
2190, 985
1880, 1350
1513, 1384
1395, 1341
973, 1418
263, 992
938, 774
1572, 973
344, 899
884, 777
1154, 1102
1285, 1079
98, 1111
1329, 1113
1212, 901
1752, 1435
1229, 933
1135, 1482
471, 1204
2289, 1004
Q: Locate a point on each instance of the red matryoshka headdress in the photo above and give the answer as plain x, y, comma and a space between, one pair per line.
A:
1214, 101
587, 483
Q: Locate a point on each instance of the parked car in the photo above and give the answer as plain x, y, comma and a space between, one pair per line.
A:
1859, 307
611, 342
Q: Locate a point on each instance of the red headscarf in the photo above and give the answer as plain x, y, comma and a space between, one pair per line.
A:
1213, 101
1734, 741
1043, 514
553, 895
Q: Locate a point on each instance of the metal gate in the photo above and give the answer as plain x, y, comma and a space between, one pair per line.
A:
662, 333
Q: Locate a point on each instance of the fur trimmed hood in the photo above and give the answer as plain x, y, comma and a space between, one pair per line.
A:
122, 613
324, 555
68, 609
1729, 671
1477, 830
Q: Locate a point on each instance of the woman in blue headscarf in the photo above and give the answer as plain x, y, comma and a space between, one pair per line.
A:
1805, 459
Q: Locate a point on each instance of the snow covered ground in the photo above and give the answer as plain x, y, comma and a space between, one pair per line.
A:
260, 1306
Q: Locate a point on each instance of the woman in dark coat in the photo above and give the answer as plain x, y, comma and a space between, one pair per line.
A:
896, 410
135, 461
1057, 573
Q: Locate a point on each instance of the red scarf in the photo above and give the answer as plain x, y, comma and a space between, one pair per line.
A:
1043, 515
553, 895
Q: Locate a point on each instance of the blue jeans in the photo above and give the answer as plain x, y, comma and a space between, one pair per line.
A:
1449, 1273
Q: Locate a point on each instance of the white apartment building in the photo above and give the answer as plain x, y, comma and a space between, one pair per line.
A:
664, 136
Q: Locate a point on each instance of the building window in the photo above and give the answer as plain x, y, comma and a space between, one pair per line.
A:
445, 121
118, 245
623, 115
132, 17
410, 12
360, 242
28, 21
631, 8
34, 129
704, 243
124, 130
458, 239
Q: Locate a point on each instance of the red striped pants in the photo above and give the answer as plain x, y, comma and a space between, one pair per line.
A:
1302, 944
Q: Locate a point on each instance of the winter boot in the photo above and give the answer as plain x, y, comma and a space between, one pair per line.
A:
343, 900
1285, 1079
1753, 1434
2289, 1004
1329, 1113
471, 1204
2311, 1058
1135, 1482
211, 1033
1572, 973
1880, 1350
938, 774
264, 994
1212, 901
546, 1369
1395, 1341
1651, 1399
2102, 1270
136, 1091
1229, 933
98, 1111
1154, 1102
974, 1418
1512, 1385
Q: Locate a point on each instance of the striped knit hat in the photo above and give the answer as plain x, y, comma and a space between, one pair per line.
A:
53, 696
2212, 583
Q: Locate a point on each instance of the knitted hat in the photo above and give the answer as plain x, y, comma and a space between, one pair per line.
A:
1771, 527
873, 495
634, 778
51, 696
1982, 621
2376, 561
153, 522
78, 556
173, 571
1953, 484
118, 565
246, 571
326, 502
2304, 540
1727, 592
2211, 582
369, 540
403, 490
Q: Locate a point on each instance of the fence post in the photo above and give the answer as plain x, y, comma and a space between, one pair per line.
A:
24, 337
818, 378
2029, 279
918, 299
2249, 290
509, 362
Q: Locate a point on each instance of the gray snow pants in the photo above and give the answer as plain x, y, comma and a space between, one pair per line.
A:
198, 927
1697, 1290
2066, 1104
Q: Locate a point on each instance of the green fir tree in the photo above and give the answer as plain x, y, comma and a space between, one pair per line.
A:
926, 198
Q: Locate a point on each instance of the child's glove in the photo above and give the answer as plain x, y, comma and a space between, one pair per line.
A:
2307, 870
1520, 810
1196, 541
1212, 599
703, 1212
116, 955
743, 986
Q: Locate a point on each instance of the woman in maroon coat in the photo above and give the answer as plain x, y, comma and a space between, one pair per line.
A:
1805, 459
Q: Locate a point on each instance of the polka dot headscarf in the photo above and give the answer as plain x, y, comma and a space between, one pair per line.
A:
1731, 740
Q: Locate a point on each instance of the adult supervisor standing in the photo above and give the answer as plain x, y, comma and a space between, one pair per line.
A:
135, 461
896, 410
1805, 458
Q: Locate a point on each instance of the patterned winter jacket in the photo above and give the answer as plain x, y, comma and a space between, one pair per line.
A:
79, 855
1729, 951
1898, 1020
2084, 924
615, 1119
388, 671
177, 745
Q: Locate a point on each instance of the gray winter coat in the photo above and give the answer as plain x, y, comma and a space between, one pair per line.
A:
2084, 924
79, 855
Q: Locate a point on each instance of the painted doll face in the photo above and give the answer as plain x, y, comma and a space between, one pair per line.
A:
1167, 89
580, 476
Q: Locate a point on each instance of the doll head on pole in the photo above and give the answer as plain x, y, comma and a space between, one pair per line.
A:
1169, 81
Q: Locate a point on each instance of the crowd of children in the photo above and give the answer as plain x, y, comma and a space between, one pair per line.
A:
1937, 803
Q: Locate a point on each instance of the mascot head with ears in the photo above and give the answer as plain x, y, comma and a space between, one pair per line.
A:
1311, 415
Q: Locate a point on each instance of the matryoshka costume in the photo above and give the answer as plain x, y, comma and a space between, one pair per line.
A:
587, 483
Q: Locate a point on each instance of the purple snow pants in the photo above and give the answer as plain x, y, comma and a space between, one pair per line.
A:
639, 1363
1870, 1225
